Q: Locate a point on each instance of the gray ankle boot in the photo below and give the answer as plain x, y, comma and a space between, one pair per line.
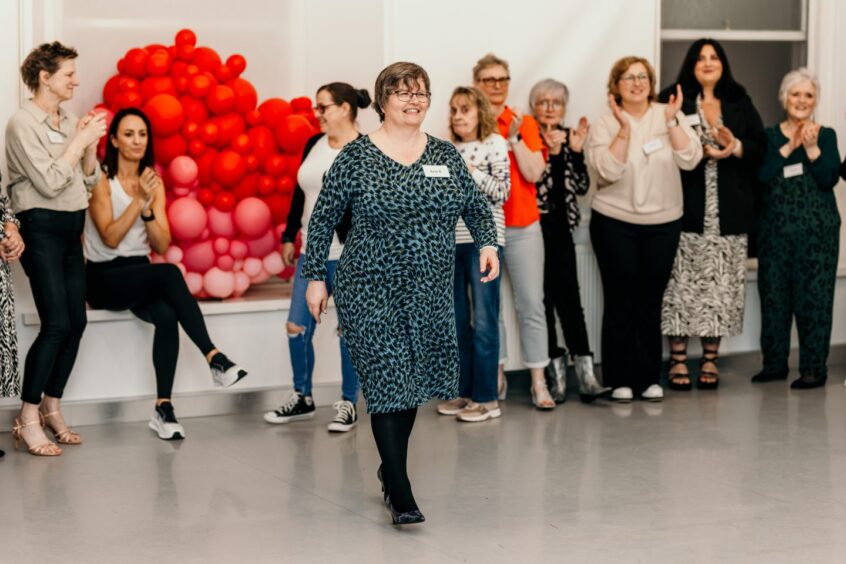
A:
556, 378
589, 387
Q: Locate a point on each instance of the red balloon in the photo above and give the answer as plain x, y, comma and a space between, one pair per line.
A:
253, 117
185, 52
178, 69
293, 133
274, 165
241, 144
181, 84
128, 84
135, 62
153, 85
237, 63
210, 132
245, 95
224, 201
247, 188
224, 73
204, 166
220, 100
194, 109
216, 187
229, 168
199, 86
158, 63
110, 89
206, 197
192, 70
185, 37
153, 47
285, 185
301, 105
196, 148
252, 162
264, 144
130, 99
206, 58
190, 129
231, 125
273, 111
165, 113
121, 66
278, 208
294, 163
168, 148
266, 185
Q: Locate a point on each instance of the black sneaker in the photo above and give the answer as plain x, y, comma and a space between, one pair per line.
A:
164, 423
345, 417
225, 372
295, 408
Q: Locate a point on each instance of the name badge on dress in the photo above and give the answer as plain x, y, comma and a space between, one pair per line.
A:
793, 170
436, 171
651, 146
55, 137
693, 120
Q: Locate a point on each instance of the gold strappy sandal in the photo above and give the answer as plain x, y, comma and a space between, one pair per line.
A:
64, 436
44, 449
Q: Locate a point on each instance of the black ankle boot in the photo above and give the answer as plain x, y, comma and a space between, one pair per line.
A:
399, 518
808, 382
764, 376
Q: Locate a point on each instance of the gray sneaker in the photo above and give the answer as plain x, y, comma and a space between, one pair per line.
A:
164, 423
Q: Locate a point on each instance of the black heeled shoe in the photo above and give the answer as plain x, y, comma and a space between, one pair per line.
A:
676, 380
708, 380
399, 517
808, 382
764, 376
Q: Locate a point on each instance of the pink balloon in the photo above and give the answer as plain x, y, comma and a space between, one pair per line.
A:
278, 230
221, 224
262, 246
225, 262
238, 250
252, 267
204, 234
194, 281
238, 266
252, 217
182, 269
273, 263
242, 283
187, 218
199, 257
219, 284
221, 245
183, 171
173, 254
260, 277
181, 191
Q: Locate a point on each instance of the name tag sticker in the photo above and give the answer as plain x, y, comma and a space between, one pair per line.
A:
436, 171
651, 146
793, 170
693, 120
55, 137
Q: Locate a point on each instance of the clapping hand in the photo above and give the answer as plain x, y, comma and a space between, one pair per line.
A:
674, 104
514, 127
725, 139
91, 128
554, 139
810, 134
578, 136
148, 183
625, 126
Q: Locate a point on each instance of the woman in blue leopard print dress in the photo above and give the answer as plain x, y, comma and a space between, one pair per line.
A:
393, 286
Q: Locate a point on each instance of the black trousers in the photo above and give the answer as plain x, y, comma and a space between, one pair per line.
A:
561, 287
54, 264
635, 262
157, 294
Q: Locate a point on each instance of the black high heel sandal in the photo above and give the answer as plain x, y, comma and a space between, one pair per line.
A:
399, 517
708, 380
676, 381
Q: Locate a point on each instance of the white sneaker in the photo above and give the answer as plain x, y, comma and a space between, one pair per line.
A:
622, 394
164, 423
225, 372
453, 407
345, 417
653, 393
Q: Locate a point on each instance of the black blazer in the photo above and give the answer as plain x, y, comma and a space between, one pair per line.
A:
295, 212
737, 179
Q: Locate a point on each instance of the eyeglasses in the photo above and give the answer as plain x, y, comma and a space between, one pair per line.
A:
635, 78
321, 108
554, 104
495, 81
406, 96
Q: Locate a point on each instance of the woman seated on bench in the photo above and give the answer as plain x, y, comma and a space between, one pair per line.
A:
126, 220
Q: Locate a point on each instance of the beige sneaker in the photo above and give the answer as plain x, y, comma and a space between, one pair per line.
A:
475, 412
453, 407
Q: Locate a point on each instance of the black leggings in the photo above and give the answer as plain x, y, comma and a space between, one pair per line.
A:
56, 270
392, 431
157, 294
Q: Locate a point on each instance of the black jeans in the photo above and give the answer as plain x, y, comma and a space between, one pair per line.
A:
561, 287
54, 264
635, 262
157, 294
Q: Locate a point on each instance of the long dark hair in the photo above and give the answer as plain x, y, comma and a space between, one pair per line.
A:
110, 161
727, 87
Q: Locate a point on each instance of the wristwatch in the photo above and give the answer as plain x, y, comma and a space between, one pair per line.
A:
146, 218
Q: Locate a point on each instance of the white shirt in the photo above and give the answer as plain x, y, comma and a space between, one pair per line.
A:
134, 244
310, 178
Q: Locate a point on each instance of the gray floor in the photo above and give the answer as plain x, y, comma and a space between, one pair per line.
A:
747, 474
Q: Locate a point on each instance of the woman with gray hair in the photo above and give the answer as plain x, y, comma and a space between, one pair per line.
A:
564, 178
799, 236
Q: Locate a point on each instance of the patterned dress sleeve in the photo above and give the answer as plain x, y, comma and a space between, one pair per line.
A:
477, 213
331, 203
6, 215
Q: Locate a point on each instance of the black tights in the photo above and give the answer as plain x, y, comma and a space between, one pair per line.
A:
157, 294
392, 431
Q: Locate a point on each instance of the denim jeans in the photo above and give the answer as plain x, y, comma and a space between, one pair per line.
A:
54, 264
301, 347
477, 326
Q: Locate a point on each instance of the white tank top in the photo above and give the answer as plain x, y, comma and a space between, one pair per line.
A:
134, 244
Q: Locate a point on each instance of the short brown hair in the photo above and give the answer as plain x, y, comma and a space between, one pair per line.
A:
487, 119
392, 77
620, 67
489, 60
46, 57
